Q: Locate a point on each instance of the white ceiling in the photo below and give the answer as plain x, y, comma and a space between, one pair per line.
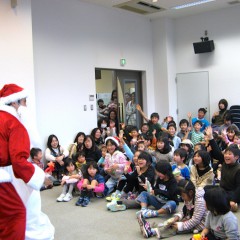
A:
168, 4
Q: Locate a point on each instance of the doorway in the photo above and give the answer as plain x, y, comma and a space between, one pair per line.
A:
192, 93
129, 92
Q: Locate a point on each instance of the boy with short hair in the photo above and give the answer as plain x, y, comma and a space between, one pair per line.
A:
196, 136
230, 170
179, 157
152, 122
183, 124
36, 158
200, 117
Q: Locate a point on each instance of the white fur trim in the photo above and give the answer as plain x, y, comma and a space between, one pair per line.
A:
13, 97
37, 178
112, 138
9, 109
4, 175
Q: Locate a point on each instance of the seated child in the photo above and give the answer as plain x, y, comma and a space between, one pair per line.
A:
230, 170
69, 181
144, 130
92, 182
188, 146
221, 223
179, 157
171, 128
201, 173
112, 130
164, 195
136, 180
183, 124
36, 155
191, 218
115, 162
196, 135
152, 122
80, 161
140, 145
164, 150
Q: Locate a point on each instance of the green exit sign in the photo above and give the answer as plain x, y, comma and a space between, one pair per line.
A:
122, 61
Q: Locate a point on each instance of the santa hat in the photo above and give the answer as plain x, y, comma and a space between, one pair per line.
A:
11, 93
115, 139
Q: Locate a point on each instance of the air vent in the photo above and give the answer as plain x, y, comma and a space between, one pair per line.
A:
149, 5
140, 7
234, 2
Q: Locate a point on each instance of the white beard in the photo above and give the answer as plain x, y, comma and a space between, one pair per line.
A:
26, 119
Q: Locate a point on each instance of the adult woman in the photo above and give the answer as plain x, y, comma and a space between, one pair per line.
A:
57, 154
97, 136
77, 144
92, 153
218, 117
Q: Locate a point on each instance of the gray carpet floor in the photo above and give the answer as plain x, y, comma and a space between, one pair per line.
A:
94, 221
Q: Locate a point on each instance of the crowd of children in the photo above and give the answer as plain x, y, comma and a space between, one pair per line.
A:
155, 168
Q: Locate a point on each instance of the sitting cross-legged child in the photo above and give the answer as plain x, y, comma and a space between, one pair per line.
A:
190, 219
164, 195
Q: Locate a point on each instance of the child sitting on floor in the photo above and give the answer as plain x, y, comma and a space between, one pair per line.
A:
221, 223
92, 182
164, 195
191, 218
179, 157
36, 155
69, 181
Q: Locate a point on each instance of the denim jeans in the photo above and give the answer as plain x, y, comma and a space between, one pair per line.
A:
147, 198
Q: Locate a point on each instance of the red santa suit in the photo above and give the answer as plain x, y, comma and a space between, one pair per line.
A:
20, 180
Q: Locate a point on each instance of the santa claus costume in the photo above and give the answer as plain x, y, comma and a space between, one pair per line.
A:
20, 203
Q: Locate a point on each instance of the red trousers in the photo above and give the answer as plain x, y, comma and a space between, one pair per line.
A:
12, 214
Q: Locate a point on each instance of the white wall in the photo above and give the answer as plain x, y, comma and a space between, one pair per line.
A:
16, 50
223, 63
70, 39
173, 53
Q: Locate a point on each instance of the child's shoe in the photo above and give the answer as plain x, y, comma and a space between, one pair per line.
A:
114, 196
117, 207
60, 198
68, 197
86, 201
144, 226
79, 201
148, 213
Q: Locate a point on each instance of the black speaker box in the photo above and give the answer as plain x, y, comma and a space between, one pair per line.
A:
203, 47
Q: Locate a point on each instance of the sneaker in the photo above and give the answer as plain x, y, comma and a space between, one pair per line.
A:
144, 226
86, 201
110, 204
68, 197
79, 201
114, 196
148, 213
117, 207
60, 198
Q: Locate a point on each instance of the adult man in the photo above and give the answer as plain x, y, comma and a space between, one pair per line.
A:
20, 204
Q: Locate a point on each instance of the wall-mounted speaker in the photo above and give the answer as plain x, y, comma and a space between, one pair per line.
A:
203, 47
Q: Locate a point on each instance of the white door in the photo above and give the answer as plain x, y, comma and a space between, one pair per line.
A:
192, 93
